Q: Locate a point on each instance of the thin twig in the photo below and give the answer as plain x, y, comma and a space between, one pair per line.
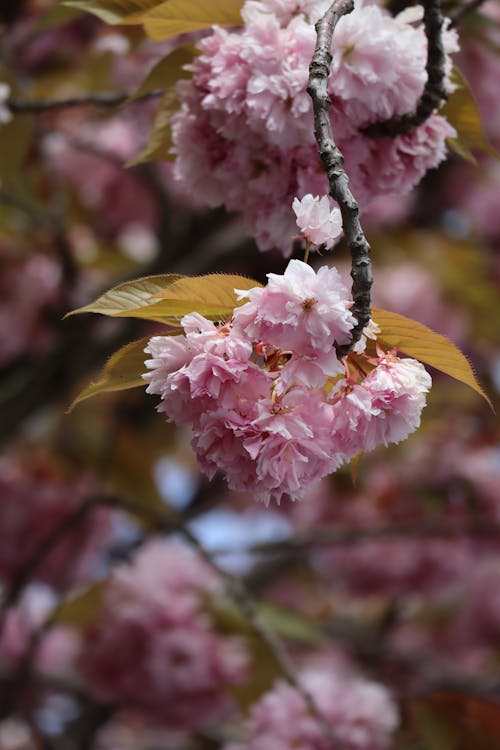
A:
44, 547
464, 11
434, 93
240, 594
168, 521
104, 99
343, 537
333, 160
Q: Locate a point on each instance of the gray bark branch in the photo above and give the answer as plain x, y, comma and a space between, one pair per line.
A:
333, 161
434, 93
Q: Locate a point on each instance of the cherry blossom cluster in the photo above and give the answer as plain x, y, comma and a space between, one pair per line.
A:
362, 715
243, 136
153, 647
270, 404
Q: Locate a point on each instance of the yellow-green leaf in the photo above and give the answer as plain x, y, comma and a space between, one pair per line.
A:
130, 468
178, 16
427, 346
212, 295
289, 624
435, 732
80, 610
168, 70
123, 299
15, 139
354, 467
160, 140
55, 16
113, 11
123, 370
167, 297
462, 112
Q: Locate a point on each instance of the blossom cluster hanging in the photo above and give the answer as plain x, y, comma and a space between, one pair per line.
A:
269, 402
243, 136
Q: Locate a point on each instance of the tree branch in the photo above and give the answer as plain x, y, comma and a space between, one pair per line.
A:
105, 99
343, 537
464, 11
34, 560
168, 521
434, 93
333, 161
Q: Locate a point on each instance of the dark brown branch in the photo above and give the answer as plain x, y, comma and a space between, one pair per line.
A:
343, 537
464, 11
333, 161
34, 560
434, 93
105, 99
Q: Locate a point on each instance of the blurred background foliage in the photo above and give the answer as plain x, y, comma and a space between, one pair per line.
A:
397, 572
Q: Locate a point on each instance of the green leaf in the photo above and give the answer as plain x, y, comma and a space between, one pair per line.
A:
420, 342
264, 669
212, 296
129, 296
168, 297
80, 610
123, 370
179, 17
160, 139
289, 624
16, 137
164, 75
449, 719
130, 468
354, 465
57, 15
462, 112
113, 11
168, 70
435, 733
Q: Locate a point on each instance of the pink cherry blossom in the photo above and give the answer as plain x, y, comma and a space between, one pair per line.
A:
371, 70
153, 647
362, 715
284, 10
303, 311
197, 373
58, 646
318, 223
243, 135
398, 389
269, 403
352, 412
394, 165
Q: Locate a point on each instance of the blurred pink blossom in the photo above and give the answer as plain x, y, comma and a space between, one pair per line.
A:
36, 499
362, 715
29, 288
153, 647
55, 652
